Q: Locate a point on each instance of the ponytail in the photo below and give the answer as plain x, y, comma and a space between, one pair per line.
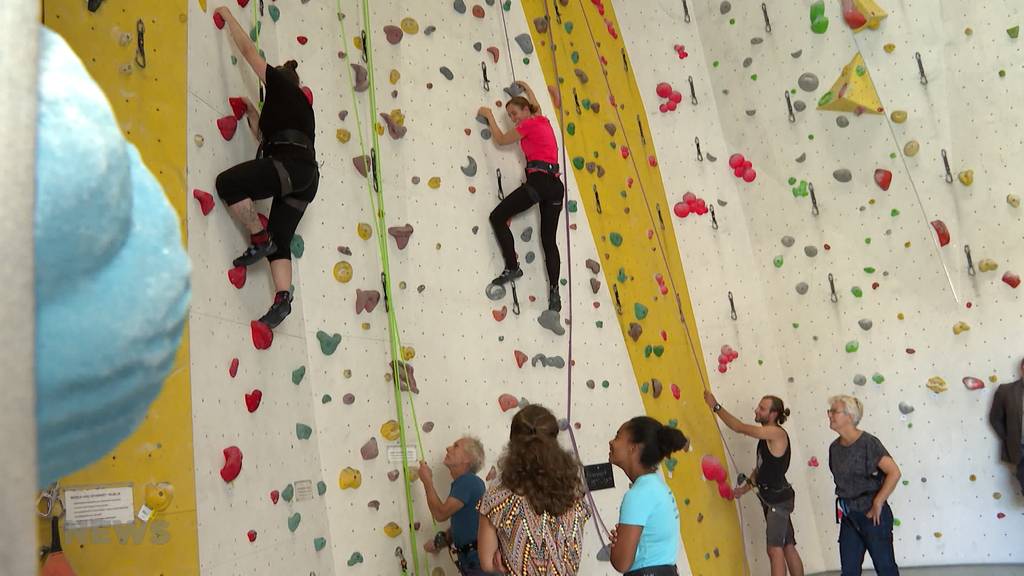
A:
657, 440
782, 413
290, 70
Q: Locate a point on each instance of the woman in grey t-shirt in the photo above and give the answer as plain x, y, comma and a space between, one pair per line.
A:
865, 475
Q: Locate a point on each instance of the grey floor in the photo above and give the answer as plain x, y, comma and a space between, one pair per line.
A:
991, 570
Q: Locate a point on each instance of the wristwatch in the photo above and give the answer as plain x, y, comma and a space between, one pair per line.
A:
716, 408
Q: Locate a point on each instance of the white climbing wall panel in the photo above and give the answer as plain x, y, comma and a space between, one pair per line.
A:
957, 503
464, 356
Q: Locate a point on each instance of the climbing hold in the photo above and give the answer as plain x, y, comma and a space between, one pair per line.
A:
355, 558
777, 261
552, 321
987, 265
853, 91
343, 135
302, 40
525, 43
507, 402
262, 335
801, 288
656, 387
303, 431
595, 285
297, 246
615, 238
942, 231
392, 530
807, 82
328, 342
227, 126
712, 469
520, 358
493, 51
319, 543
349, 478
393, 34
293, 521
362, 164
460, 6
395, 121
500, 315
883, 178
877, 378
251, 535
905, 408
429, 30
966, 177
401, 235
810, 251
819, 22
434, 183
865, 324
470, 168
860, 379
369, 451
640, 311
478, 11
288, 493
447, 73
911, 148
852, 346
252, 400
960, 327
972, 383
232, 463
236, 276
898, 116
581, 76
1013, 200
348, 399
551, 362
298, 374
937, 385
366, 300
842, 175
427, 427
1012, 280
1013, 32
343, 272
362, 79
390, 431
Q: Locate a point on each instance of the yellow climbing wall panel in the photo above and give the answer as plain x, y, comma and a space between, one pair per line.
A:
150, 105
607, 141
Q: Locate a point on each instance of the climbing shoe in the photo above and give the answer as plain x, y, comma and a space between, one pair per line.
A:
255, 252
508, 276
554, 300
279, 310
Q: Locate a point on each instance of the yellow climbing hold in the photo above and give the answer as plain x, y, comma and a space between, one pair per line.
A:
408, 353
1013, 200
899, 116
889, 48
937, 384
343, 272
960, 327
394, 76
202, 5
910, 149
392, 530
364, 230
357, 42
397, 117
434, 182
389, 430
159, 496
993, 378
853, 91
409, 25
966, 177
379, 128
350, 478
365, 326
438, 571
900, 316
343, 135
872, 12
988, 265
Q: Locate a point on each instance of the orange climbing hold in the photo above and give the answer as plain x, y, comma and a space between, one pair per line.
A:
520, 358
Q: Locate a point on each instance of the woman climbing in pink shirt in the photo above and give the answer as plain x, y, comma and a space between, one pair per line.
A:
542, 186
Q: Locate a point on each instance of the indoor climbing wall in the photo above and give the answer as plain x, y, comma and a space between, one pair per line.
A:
473, 358
847, 187
136, 55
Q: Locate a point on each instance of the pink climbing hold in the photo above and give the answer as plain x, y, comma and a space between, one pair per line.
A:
238, 106
1012, 280
652, 161
676, 392
366, 300
243, 3
521, 358
308, 93
232, 463
682, 209
624, 151
712, 468
401, 235
883, 178
205, 200
251, 535
252, 400
236, 276
725, 491
942, 231
233, 368
507, 402
493, 51
218, 21
675, 97
262, 335
274, 496
736, 160
227, 126
664, 89
749, 175
301, 40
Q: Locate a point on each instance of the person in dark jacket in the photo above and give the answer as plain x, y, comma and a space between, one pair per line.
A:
1007, 418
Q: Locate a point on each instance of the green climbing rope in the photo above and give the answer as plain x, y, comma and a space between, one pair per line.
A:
376, 194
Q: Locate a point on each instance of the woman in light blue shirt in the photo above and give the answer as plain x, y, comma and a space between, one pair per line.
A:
646, 540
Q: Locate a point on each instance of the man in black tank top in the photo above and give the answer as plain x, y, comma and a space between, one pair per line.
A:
769, 477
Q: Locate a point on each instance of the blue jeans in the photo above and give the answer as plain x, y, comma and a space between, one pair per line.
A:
858, 534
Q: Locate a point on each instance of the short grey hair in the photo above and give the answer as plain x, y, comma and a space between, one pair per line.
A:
853, 406
475, 449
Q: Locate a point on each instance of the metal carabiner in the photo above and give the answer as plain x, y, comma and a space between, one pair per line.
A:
140, 51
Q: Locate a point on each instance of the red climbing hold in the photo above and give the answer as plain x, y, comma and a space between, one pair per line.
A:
813, 462
749, 175
478, 11
883, 178
302, 40
725, 491
520, 358
652, 161
675, 97
227, 126
1012, 280
712, 468
274, 496
854, 19
238, 106
252, 535
624, 151
499, 315
236, 276
252, 400
205, 200
942, 231
676, 392
664, 89
507, 402
308, 93
736, 160
232, 463
262, 335
243, 3
233, 369
218, 21
682, 209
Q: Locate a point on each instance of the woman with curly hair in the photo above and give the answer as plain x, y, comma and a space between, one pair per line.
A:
532, 519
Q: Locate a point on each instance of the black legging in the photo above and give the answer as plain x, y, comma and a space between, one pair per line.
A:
258, 180
548, 191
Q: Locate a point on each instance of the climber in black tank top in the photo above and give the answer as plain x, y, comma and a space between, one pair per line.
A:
774, 491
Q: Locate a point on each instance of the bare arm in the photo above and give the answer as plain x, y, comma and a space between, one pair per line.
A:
441, 511
737, 425
529, 93
487, 544
624, 544
499, 136
892, 478
241, 40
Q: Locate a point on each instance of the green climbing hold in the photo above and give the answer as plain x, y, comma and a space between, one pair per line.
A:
852, 346
275, 13
796, 325
326, 399
869, 269
877, 378
507, 5
575, 56
672, 423
670, 464
254, 32
578, 162
819, 22
896, 522
605, 384
856, 291
568, 27
328, 342
319, 543
894, 212
298, 246
599, 323
648, 350
810, 136
616, 239
526, 61
572, 207
645, 387
355, 558
1013, 32
659, 350
302, 431
792, 180
826, 98
732, 21
622, 275
753, 77
778, 261
570, 129
288, 493
640, 311
293, 521
867, 240
860, 70
714, 64
234, 60
801, 190
321, 487
298, 374
585, 103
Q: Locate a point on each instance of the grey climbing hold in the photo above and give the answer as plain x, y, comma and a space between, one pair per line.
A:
807, 82
549, 361
756, 40
514, 90
905, 408
591, 384
595, 285
362, 77
342, 115
582, 76
860, 380
605, 553
552, 321
656, 387
610, 128
865, 324
525, 43
842, 121
747, 62
811, 251
711, 158
495, 292
527, 234
541, 24
485, 133
429, 30
530, 257
751, 113
842, 175
348, 399
799, 105
460, 6
801, 288
369, 451
428, 427
788, 241
482, 119
725, 7
475, 230
447, 73
563, 424
635, 331
593, 266
470, 168
800, 159
796, 54
722, 203
478, 46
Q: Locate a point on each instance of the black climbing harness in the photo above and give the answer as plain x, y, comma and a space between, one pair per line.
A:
542, 166
296, 139
441, 540
515, 295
